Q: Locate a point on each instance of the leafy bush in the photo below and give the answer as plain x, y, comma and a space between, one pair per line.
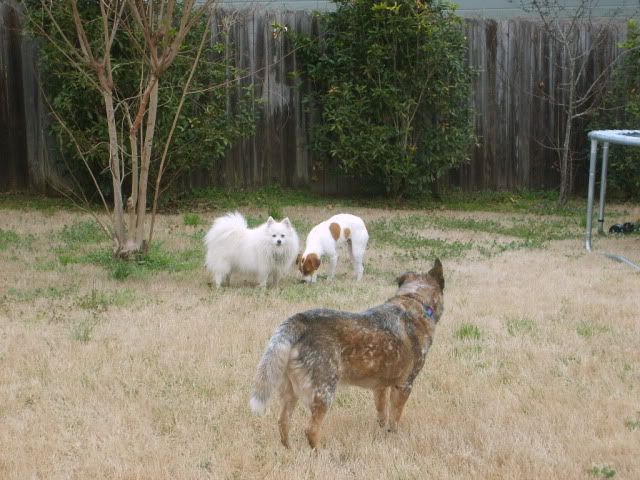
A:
392, 84
622, 111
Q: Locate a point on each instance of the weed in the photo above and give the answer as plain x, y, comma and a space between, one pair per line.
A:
98, 301
157, 260
588, 329
8, 238
604, 471
520, 326
534, 231
192, 219
468, 331
83, 330
32, 294
48, 205
82, 232
633, 423
469, 354
398, 233
275, 211
540, 203
229, 199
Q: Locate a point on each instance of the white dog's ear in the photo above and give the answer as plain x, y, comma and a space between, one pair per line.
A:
287, 222
270, 221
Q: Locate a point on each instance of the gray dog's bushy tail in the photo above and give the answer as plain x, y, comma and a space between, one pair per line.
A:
272, 366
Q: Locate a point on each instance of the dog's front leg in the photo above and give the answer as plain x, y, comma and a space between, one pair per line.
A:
333, 263
381, 398
263, 278
399, 396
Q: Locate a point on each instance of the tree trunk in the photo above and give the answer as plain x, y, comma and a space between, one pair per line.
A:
565, 170
144, 167
114, 165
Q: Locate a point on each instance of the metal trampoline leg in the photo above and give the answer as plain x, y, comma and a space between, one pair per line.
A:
603, 187
592, 184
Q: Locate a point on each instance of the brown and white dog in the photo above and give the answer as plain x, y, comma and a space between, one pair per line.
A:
382, 349
326, 237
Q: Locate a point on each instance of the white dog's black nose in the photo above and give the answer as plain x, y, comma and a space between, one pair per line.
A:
279, 242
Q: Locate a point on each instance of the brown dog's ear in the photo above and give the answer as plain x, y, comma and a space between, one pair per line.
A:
315, 261
436, 273
299, 259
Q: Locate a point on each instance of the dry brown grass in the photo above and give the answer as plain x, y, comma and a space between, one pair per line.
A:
149, 377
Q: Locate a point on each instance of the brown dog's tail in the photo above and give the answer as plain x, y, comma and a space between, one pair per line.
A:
272, 366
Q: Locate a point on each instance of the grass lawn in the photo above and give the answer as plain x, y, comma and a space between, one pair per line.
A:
142, 370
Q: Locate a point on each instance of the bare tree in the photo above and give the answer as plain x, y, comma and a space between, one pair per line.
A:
575, 35
159, 30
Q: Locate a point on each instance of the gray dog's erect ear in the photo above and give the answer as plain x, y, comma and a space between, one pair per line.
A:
436, 273
287, 222
270, 220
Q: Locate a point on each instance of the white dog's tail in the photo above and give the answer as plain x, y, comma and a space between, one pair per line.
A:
273, 364
225, 226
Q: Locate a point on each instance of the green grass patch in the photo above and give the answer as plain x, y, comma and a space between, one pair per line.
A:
324, 291
274, 197
467, 331
23, 202
8, 238
633, 423
537, 202
602, 471
82, 331
520, 326
99, 301
192, 219
31, 294
534, 231
82, 232
588, 329
158, 259
398, 233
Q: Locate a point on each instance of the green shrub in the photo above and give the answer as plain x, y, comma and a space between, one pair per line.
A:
392, 84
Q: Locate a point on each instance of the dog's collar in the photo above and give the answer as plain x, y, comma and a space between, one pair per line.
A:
428, 311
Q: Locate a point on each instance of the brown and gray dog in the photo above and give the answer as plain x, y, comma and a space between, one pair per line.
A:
382, 349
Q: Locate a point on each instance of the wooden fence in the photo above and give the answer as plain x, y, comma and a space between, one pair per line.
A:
514, 124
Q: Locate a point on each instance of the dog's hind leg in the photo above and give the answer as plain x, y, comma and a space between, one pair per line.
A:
399, 396
357, 260
289, 400
381, 398
219, 277
319, 410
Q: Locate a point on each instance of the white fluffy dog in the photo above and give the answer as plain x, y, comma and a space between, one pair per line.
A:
324, 240
263, 254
